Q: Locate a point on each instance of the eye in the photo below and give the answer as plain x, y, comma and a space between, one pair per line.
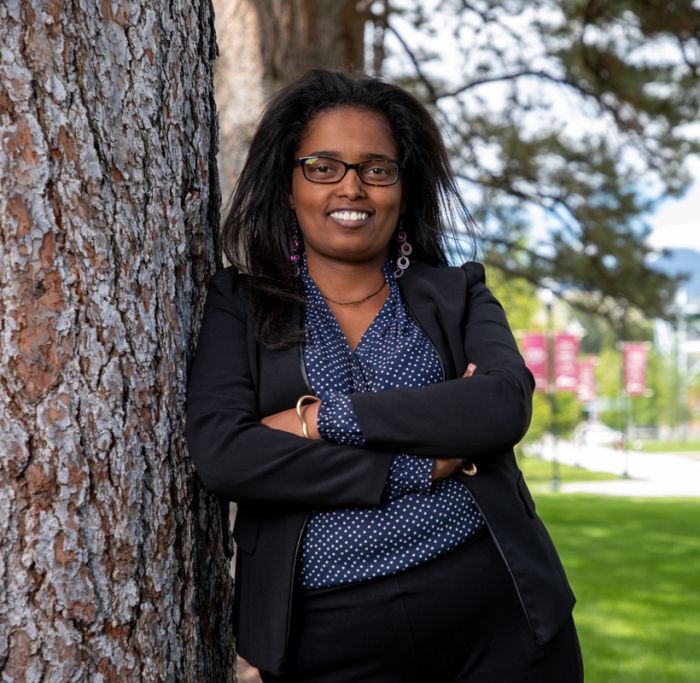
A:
321, 168
378, 169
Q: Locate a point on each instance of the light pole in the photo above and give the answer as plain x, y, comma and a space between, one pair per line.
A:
548, 298
625, 399
681, 362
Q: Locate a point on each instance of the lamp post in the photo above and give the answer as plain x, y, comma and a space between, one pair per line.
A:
625, 402
681, 362
547, 297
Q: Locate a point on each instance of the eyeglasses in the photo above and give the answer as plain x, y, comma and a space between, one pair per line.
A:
380, 172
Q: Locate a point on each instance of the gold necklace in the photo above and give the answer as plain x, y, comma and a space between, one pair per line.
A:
359, 301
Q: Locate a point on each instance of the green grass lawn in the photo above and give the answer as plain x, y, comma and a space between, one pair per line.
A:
635, 568
539, 472
670, 446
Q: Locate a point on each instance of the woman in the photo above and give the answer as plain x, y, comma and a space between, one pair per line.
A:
360, 401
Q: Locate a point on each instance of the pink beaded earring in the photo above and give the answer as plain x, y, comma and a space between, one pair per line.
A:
294, 257
405, 250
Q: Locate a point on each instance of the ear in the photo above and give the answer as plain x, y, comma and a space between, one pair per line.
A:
291, 201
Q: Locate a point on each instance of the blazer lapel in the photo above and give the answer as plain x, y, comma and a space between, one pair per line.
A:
437, 298
279, 374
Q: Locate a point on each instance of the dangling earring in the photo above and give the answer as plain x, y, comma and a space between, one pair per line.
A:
294, 257
405, 250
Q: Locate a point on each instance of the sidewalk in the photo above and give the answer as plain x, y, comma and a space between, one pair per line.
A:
648, 474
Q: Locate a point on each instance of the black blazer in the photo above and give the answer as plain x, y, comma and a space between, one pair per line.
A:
277, 478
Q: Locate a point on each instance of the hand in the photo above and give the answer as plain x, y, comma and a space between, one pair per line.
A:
471, 369
287, 420
443, 468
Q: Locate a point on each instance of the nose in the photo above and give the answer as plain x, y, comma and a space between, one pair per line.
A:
351, 186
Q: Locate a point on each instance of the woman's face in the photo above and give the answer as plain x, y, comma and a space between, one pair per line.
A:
348, 221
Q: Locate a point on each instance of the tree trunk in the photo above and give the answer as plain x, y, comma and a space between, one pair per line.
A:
238, 84
111, 565
305, 34
267, 43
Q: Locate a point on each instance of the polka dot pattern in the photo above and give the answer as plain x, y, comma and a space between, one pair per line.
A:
417, 520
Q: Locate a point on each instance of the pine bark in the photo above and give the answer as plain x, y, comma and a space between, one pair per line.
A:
111, 565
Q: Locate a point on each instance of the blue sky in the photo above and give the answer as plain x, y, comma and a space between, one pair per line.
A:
677, 222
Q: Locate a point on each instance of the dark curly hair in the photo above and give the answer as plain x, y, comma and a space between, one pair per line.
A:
256, 230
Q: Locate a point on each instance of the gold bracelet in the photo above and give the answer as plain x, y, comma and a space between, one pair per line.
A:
300, 415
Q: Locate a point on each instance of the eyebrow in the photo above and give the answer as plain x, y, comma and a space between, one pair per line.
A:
367, 156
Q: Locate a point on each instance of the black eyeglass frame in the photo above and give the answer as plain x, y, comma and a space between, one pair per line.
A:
300, 162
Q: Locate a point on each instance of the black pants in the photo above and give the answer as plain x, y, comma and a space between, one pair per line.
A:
456, 619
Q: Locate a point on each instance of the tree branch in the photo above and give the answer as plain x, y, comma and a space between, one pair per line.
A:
416, 64
514, 76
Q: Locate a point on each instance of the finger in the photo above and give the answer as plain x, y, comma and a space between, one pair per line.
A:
471, 369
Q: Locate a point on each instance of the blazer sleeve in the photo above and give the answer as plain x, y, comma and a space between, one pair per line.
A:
461, 418
239, 458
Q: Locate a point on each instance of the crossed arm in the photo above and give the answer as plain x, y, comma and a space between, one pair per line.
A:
242, 455
288, 421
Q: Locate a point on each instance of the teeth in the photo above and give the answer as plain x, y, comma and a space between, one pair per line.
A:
350, 215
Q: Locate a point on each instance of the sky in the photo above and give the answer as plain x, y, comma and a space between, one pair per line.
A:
676, 223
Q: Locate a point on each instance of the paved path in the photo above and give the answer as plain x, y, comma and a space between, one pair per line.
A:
648, 474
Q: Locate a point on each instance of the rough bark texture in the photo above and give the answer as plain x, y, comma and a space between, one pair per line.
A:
111, 567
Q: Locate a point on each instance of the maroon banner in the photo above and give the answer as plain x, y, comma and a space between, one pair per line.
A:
586, 379
636, 368
565, 363
534, 346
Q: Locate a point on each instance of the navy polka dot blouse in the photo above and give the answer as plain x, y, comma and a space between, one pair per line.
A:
418, 520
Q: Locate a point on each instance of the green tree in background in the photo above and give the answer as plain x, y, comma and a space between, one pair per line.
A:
571, 116
568, 416
518, 297
659, 407
609, 380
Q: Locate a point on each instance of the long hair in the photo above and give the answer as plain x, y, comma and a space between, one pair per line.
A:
256, 233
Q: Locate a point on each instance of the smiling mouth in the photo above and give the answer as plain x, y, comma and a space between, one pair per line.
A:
351, 216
